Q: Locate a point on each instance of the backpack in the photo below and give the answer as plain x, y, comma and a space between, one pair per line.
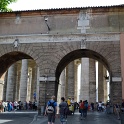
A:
85, 105
65, 110
51, 107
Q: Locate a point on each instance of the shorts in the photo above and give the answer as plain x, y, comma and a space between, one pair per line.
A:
51, 117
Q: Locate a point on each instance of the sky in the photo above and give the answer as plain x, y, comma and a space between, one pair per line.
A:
48, 4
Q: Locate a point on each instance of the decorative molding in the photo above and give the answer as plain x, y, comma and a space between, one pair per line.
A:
59, 38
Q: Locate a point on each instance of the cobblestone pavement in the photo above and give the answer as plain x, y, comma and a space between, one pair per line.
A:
92, 118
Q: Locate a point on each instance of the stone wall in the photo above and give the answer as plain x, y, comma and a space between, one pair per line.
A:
73, 34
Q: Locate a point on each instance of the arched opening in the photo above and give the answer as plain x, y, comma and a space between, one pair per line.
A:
79, 54
8, 59
82, 54
18, 78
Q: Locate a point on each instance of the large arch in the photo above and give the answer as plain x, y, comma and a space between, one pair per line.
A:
76, 54
8, 59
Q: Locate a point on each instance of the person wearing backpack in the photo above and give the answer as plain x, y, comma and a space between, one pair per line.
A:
63, 109
51, 110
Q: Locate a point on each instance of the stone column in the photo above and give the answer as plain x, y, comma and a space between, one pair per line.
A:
63, 80
105, 85
10, 92
92, 81
84, 88
23, 80
70, 80
18, 86
38, 87
1, 89
59, 94
76, 64
2, 85
100, 82
66, 83
61, 87
29, 84
5, 86
34, 82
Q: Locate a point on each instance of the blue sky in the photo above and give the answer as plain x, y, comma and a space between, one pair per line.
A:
47, 4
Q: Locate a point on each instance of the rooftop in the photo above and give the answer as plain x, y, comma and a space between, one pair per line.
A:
70, 8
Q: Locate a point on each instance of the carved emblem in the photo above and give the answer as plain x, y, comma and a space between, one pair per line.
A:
83, 44
16, 43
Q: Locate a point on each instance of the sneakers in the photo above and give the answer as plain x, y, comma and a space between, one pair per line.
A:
81, 118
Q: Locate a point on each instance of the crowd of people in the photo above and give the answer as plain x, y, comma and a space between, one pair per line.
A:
68, 108
13, 106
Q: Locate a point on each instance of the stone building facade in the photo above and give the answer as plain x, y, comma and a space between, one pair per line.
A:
54, 38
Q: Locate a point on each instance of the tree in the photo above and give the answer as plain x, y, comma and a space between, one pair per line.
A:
4, 4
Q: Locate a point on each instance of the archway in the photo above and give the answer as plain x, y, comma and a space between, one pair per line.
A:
18, 77
81, 53
8, 59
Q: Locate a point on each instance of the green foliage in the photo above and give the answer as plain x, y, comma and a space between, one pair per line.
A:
4, 4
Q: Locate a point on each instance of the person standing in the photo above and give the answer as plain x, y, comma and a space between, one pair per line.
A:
63, 108
92, 106
117, 110
15, 105
69, 101
81, 107
100, 106
51, 116
85, 109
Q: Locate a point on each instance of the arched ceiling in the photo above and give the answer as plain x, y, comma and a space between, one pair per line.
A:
79, 54
8, 59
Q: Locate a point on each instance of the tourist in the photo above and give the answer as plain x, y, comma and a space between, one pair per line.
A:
63, 108
51, 113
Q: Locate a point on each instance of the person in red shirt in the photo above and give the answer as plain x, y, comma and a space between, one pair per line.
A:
81, 107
